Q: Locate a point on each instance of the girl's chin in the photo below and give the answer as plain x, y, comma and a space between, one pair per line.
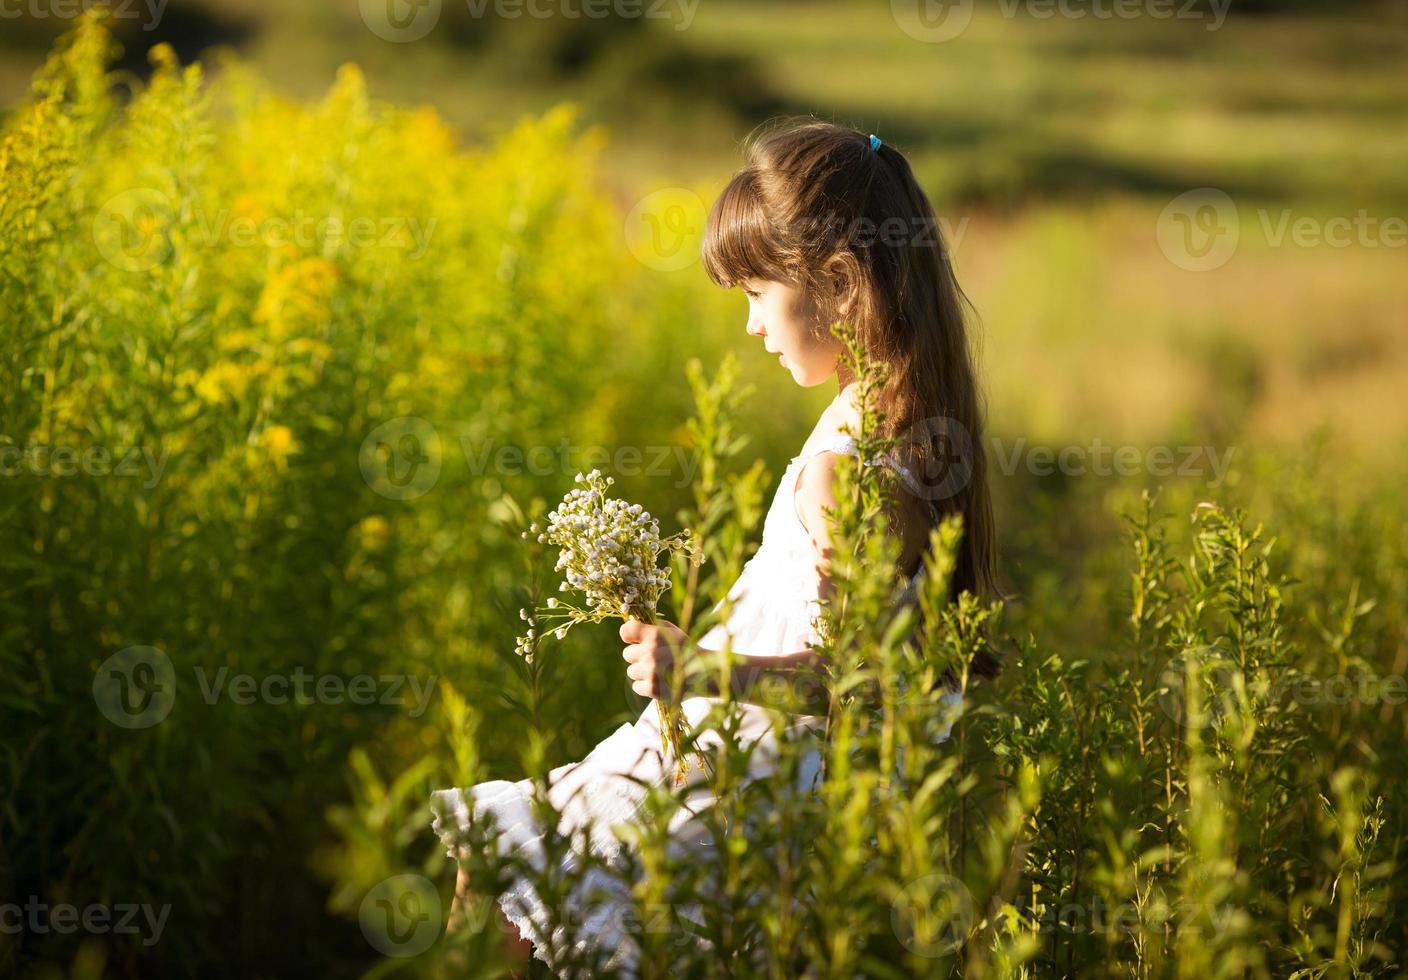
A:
808, 379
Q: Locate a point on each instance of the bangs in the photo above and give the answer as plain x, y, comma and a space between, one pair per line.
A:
739, 242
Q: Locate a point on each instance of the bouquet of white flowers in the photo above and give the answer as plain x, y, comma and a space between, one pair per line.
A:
610, 552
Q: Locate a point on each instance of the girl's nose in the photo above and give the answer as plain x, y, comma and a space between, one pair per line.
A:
755, 327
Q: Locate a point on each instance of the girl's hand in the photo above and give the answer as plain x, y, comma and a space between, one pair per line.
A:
652, 650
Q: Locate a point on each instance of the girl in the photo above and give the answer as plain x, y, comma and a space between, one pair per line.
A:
823, 224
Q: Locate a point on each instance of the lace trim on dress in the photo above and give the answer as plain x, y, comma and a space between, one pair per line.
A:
847, 444
520, 901
452, 817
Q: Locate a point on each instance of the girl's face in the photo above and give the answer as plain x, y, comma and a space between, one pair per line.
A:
790, 325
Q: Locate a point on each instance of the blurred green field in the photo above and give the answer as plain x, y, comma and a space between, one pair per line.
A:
1298, 103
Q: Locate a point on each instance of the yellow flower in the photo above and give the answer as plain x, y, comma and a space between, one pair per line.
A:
278, 440
373, 532
296, 296
224, 381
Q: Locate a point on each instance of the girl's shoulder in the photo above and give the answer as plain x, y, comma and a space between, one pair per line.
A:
914, 513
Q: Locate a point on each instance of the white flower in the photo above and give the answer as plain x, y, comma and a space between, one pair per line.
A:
609, 549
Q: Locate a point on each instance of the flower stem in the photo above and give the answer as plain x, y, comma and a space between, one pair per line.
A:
673, 731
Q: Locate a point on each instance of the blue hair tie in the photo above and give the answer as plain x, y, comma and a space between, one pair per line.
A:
874, 143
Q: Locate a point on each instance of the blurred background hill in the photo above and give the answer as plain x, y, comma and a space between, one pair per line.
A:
1269, 98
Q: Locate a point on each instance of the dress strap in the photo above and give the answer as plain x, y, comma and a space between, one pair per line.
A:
838, 443
842, 443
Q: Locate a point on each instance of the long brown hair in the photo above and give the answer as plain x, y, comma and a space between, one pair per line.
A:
813, 194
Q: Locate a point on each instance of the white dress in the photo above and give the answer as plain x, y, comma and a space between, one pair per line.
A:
775, 608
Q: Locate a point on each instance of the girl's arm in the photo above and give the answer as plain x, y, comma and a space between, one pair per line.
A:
793, 679
803, 672
812, 497
796, 677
